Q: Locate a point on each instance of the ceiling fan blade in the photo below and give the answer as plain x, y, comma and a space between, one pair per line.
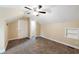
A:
28, 13
42, 12
28, 8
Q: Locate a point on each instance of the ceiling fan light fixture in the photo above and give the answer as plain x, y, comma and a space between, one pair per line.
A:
35, 13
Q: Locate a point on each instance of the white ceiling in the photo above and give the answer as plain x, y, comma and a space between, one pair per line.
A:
55, 13
60, 14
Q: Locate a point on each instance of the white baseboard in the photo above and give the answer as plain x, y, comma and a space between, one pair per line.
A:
12, 38
60, 42
16, 38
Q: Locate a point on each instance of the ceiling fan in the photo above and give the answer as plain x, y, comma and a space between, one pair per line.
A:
36, 10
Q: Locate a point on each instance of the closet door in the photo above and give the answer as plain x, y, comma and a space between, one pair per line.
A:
22, 28
32, 29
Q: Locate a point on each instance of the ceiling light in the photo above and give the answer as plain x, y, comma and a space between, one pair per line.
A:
35, 13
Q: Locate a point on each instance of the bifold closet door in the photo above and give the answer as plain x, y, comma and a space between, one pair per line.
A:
22, 28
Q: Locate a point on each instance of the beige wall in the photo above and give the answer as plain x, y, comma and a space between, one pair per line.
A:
55, 31
12, 29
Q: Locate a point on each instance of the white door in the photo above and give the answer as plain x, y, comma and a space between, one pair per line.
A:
32, 28
22, 29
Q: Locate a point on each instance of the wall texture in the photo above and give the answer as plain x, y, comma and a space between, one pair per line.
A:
56, 31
